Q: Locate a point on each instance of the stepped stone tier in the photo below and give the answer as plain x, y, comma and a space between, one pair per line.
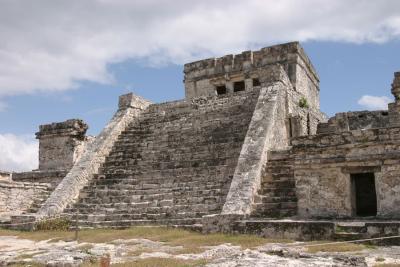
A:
247, 150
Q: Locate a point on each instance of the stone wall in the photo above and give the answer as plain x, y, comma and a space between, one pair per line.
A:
323, 164
302, 118
53, 177
61, 144
203, 77
356, 120
18, 197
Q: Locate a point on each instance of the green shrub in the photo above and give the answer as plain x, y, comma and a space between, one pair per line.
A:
303, 103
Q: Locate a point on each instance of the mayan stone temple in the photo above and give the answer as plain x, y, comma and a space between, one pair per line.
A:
247, 151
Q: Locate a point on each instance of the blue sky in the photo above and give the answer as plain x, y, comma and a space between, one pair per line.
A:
72, 59
347, 72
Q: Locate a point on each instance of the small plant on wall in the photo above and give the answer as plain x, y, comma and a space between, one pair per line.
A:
303, 103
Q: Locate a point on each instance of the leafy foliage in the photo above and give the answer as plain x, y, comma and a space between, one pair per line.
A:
303, 103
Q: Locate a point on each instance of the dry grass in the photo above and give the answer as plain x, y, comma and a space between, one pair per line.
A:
172, 236
157, 262
387, 265
341, 247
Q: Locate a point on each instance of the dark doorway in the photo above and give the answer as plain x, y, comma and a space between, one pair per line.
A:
364, 194
221, 90
256, 82
238, 86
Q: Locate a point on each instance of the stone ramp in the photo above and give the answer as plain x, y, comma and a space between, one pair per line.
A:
277, 195
171, 167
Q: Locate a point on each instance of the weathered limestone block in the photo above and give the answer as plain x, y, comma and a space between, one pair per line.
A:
61, 144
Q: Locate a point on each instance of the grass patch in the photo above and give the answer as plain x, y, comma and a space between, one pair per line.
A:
387, 265
171, 236
57, 224
340, 247
38, 235
157, 262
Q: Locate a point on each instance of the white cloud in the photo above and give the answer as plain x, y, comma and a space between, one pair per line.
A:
53, 44
374, 102
18, 153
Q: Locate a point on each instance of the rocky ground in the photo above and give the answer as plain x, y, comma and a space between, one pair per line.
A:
31, 250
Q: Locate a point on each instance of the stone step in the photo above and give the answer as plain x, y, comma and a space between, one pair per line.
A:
288, 183
276, 213
277, 192
178, 197
269, 199
97, 217
207, 190
277, 205
344, 236
129, 223
350, 227
146, 207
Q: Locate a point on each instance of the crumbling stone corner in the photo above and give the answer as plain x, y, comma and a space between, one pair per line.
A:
61, 144
394, 108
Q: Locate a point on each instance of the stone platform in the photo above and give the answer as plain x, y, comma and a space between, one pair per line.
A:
306, 230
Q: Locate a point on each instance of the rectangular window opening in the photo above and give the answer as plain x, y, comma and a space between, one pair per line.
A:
256, 82
364, 194
238, 86
221, 90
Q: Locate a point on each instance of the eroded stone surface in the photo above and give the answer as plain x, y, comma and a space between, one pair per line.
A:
15, 250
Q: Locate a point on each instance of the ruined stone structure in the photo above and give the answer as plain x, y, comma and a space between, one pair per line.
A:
247, 147
60, 146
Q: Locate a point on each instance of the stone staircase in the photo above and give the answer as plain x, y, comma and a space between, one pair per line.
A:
172, 167
349, 231
277, 195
